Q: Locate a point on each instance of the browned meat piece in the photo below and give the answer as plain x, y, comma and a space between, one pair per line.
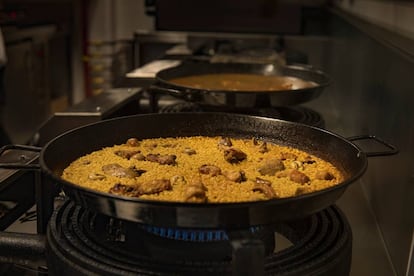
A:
151, 146
125, 190
138, 156
137, 171
147, 188
298, 177
303, 190
233, 155
288, 155
154, 186
324, 175
209, 169
308, 160
235, 176
266, 189
167, 159
282, 174
262, 146
196, 192
96, 176
271, 166
224, 143
119, 171
133, 142
127, 154
189, 151
152, 157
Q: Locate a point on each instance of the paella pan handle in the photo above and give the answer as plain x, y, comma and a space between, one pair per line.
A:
20, 166
391, 149
302, 65
188, 95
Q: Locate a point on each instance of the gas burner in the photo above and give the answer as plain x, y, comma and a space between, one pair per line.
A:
193, 235
297, 114
80, 242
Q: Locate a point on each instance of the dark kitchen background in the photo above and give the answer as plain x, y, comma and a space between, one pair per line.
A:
70, 63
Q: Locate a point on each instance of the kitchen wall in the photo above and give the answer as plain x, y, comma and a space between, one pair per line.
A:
372, 93
397, 16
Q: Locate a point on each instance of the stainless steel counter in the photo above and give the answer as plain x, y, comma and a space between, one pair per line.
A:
371, 93
369, 254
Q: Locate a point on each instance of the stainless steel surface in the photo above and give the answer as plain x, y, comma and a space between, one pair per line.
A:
369, 254
371, 93
381, 84
147, 44
103, 104
177, 37
109, 104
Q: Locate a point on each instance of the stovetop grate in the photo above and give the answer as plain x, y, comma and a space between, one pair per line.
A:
80, 242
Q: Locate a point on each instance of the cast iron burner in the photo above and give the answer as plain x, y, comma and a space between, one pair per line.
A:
298, 114
80, 242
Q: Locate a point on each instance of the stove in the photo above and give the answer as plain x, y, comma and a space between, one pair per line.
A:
80, 242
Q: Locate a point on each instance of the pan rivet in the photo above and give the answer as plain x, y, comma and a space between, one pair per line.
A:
98, 108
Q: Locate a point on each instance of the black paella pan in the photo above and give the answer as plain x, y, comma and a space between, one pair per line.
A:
244, 99
64, 149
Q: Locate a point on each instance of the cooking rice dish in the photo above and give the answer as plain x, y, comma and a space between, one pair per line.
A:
202, 169
242, 82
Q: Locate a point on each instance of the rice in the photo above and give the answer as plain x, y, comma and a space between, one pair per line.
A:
194, 152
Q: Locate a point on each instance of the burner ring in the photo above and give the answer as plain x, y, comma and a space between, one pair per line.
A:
75, 245
191, 235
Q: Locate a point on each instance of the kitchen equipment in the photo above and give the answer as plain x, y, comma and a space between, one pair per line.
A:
59, 152
80, 242
241, 98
